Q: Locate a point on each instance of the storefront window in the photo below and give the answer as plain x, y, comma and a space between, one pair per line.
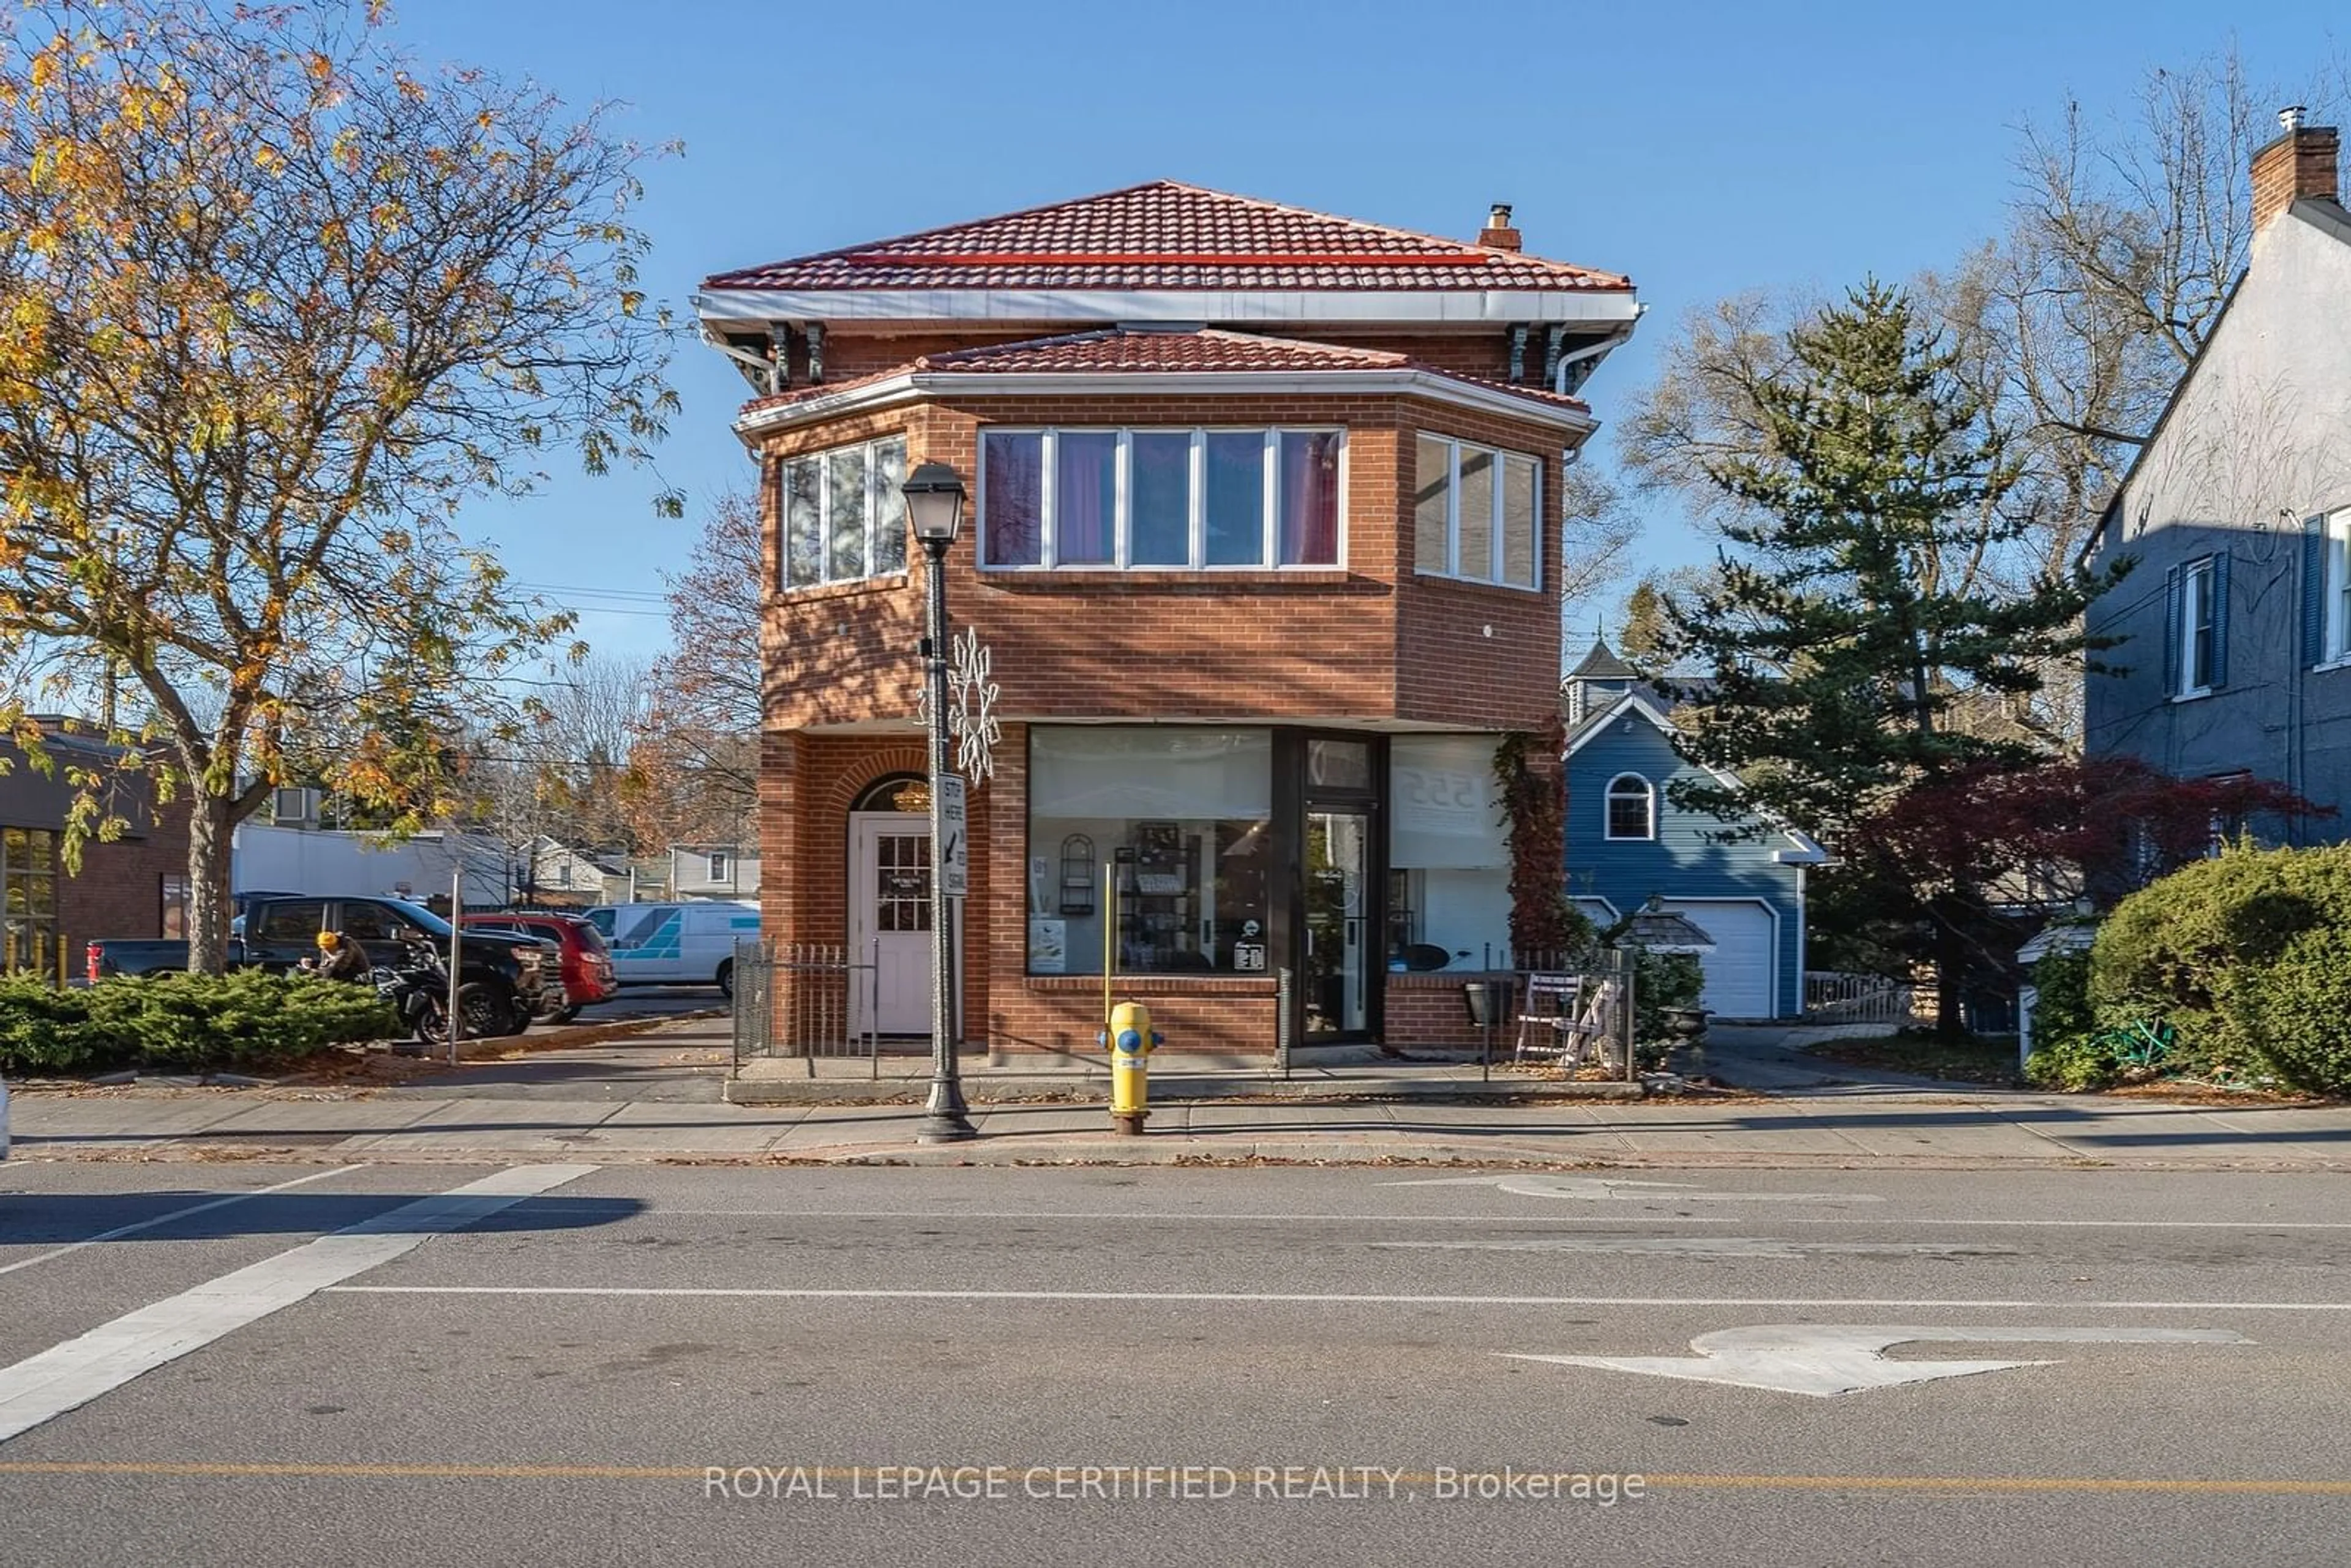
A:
1182, 816
28, 894
1449, 865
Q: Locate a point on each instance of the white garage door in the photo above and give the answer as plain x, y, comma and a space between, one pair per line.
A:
1738, 972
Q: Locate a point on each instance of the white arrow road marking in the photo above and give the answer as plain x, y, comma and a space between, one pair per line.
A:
1827, 1359
1538, 1183
1715, 1247
73, 1374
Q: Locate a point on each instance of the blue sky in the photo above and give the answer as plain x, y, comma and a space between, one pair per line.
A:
1702, 148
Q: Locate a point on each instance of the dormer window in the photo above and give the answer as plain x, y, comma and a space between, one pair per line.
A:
1632, 808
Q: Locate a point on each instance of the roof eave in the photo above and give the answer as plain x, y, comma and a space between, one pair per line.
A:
909, 385
754, 309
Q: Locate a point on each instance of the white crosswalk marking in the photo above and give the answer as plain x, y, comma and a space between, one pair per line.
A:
44, 1386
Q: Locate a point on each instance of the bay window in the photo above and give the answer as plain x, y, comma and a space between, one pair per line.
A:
843, 518
1160, 499
1477, 512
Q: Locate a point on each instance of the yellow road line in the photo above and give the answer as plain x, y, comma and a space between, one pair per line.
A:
1654, 1481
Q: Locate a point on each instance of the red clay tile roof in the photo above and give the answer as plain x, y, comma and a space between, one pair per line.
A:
1163, 236
1201, 348
1123, 350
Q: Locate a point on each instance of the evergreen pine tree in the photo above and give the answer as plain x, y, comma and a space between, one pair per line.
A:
1845, 650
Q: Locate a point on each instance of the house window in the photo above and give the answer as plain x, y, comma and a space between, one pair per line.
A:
1165, 500
2330, 580
174, 923
2197, 606
1477, 512
28, 893
1632, 808
719, 868
843, 518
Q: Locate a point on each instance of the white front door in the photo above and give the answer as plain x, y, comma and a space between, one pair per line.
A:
890, 923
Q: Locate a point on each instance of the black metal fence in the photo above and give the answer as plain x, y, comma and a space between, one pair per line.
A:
1574, 1010
802, 1001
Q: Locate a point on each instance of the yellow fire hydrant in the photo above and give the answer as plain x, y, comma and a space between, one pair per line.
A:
1131, 1041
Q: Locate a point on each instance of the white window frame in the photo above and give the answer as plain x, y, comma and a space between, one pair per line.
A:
2337, 554
2204, 569
1608, 810
1496, 544
1197, 521
874, 499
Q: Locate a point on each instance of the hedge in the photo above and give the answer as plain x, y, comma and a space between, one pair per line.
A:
183, 1022
2247, 957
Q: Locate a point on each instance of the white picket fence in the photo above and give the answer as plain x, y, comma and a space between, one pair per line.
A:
1834, 998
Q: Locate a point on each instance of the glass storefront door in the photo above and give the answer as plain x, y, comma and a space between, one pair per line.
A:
1338, 966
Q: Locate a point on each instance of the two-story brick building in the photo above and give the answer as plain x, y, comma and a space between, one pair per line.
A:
1263, 545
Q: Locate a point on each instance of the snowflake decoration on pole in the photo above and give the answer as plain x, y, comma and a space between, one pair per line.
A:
971, 707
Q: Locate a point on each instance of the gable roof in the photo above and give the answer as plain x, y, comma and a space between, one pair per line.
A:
1165, 234
1808, 850
1208, 359
2321, 212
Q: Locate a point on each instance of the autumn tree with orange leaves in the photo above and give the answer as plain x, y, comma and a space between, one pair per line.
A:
694, 773
275, 302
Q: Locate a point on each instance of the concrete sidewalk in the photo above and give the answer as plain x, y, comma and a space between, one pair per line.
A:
1990, 1131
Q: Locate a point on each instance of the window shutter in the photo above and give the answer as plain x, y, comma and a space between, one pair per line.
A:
2219, 620
2314, 591
2171, 617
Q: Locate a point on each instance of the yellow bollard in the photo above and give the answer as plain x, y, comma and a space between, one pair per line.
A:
1131, 1040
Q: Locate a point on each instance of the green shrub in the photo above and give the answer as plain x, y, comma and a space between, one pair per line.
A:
183, 1022
2064, 1011
2247, 957
2073, 1063
1661, 982
44, 1030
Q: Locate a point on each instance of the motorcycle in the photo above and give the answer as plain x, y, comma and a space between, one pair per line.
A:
417, 988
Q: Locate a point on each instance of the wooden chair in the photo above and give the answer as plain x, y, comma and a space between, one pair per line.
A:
1547, 1018
1568, 1023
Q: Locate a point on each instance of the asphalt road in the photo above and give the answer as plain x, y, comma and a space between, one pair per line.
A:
672, 1364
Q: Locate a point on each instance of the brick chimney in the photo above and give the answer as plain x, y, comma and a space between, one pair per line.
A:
1498, 233
2299, 163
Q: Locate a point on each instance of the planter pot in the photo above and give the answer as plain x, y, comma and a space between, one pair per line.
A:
1686, 1025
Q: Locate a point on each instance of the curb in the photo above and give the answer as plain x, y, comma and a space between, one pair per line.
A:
1096, 1091
1106, 1151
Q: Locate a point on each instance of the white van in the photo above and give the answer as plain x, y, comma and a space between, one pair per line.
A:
676, 944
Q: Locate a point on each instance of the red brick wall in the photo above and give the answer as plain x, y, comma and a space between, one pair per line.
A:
119, 890
1367, 640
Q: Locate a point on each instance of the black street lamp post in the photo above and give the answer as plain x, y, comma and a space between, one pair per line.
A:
934, 495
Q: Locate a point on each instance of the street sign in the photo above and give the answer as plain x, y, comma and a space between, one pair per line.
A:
955, 855
1824, 1360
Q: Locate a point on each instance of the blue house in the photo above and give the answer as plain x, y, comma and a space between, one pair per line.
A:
1628, 843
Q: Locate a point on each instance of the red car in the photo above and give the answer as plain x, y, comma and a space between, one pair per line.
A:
587, 962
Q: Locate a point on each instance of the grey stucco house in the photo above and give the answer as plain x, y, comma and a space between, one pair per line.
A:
2238, 512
